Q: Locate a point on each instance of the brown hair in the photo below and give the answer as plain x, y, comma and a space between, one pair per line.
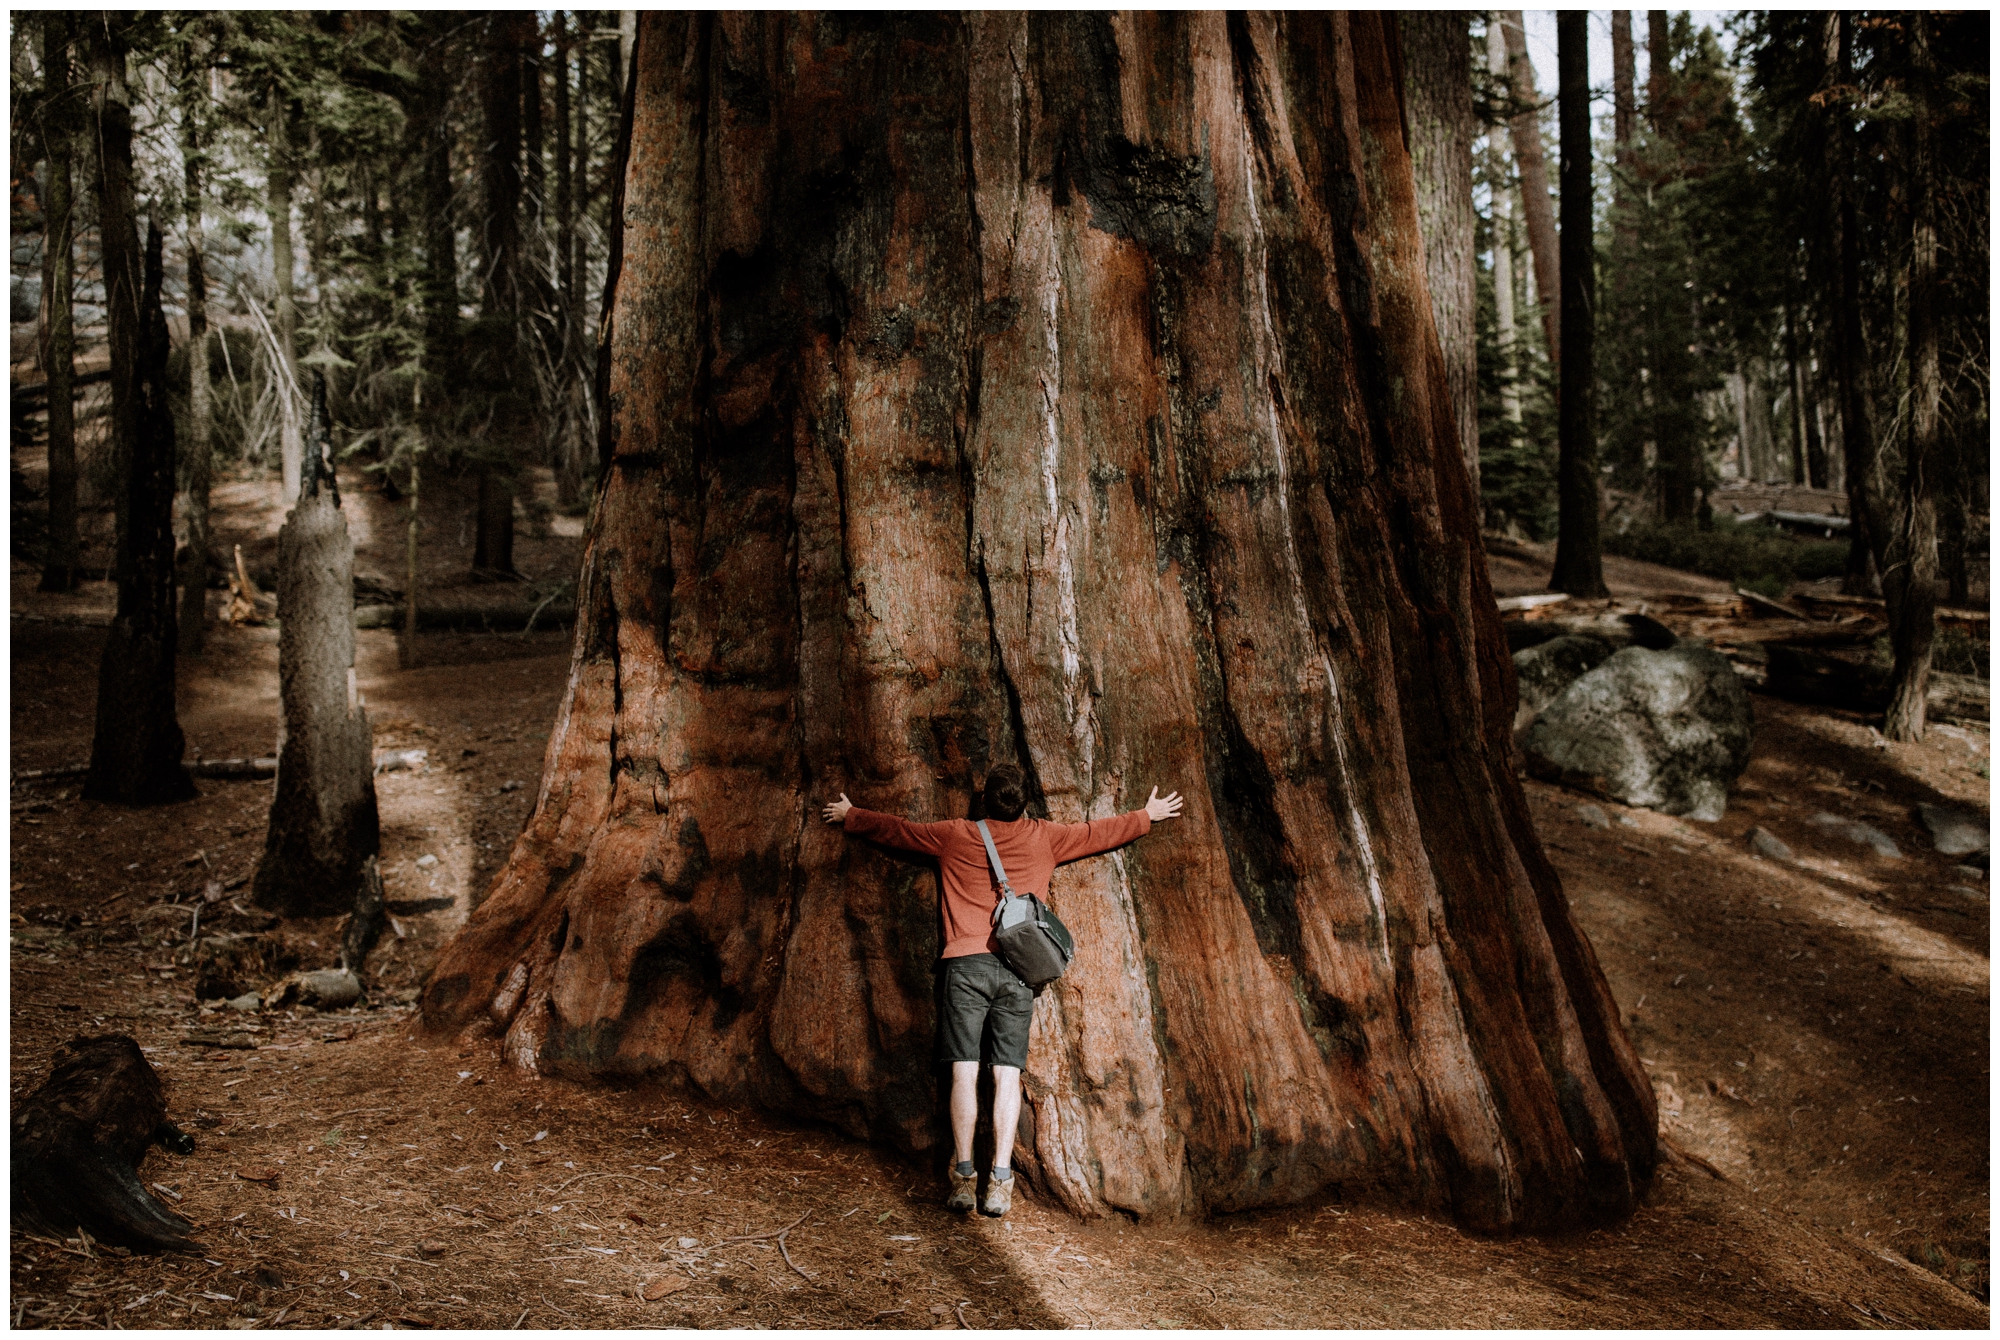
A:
1006, 793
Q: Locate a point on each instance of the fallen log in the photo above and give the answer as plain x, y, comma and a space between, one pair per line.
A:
226, 768
78, 1140
34, 396
1977, 623
1815, 675
1765, 607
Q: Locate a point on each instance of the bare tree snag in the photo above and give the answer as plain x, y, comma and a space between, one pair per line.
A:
1058, 389
77, 1143
1437, 66
1525, 132
323, 834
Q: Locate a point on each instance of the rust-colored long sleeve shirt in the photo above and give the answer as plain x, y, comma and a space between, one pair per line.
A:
1031, 849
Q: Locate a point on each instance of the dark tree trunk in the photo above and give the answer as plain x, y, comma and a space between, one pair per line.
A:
135, 757
1536, 211
319, 851
1437, 71
1910, 558
500, 166
60, 567
194, 565
493, 524
1090, 416
1579, 565
1857, 433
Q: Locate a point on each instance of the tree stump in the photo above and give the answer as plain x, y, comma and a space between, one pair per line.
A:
1056, 389
78, 1140
324, 834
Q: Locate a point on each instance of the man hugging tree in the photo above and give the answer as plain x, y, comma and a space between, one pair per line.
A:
984, 1007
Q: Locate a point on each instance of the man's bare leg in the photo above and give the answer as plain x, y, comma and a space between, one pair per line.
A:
1006, 1116
965, 1107
1006, 1113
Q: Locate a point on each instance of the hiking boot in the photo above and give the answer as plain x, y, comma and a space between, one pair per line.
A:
999, 1196
963, 1188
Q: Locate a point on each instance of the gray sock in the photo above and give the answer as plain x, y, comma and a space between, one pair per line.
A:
966, 1169
1002, 1173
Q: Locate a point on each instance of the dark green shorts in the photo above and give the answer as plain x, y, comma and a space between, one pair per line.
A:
983, 1011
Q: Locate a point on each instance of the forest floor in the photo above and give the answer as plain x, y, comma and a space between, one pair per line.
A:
1817, 1032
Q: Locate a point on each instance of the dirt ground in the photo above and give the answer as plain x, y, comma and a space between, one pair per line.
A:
1817, 1032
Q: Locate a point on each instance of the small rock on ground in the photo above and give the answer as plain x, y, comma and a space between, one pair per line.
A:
329, 988
1766, 844
1592, 816
1855, 831
1954, 832
1972, 872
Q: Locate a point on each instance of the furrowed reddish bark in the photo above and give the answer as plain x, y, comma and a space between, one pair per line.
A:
1060, 390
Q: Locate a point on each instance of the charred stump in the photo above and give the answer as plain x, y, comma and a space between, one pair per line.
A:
78, 1140
319, 851
1059, 390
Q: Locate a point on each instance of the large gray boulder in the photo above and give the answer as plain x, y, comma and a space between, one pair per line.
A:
1545, 670
1667, 730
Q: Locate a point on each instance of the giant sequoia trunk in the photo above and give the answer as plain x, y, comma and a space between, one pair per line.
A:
1437, 64
1058, 390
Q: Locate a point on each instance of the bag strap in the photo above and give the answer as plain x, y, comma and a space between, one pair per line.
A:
999, 871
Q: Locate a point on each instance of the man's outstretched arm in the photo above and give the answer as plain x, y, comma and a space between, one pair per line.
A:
1070, 842
885, 828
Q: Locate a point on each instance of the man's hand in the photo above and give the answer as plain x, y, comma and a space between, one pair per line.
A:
836, 813
1156, 808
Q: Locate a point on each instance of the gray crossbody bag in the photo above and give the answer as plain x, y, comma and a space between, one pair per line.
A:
1033, 940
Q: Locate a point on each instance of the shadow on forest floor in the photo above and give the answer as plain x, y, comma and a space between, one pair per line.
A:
1817, 1032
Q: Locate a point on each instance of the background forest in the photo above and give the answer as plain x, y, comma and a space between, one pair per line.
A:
418, 206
